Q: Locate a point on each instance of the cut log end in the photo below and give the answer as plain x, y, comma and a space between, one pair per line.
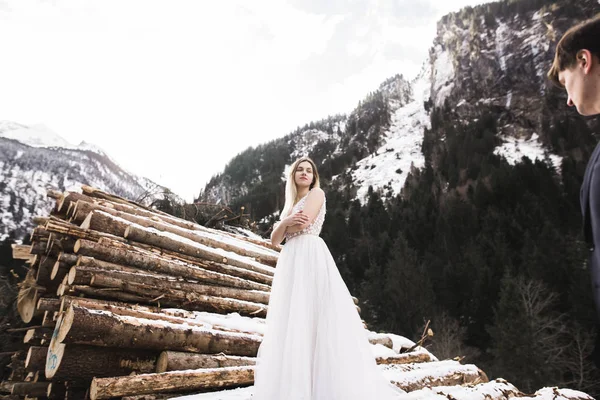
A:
66, 321
162, 362
55, 355
27, 304
77, 246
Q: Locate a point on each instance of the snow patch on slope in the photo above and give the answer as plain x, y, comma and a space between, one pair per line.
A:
390, 165
515, 149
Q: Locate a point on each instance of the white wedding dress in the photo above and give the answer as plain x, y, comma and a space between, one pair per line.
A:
315, 346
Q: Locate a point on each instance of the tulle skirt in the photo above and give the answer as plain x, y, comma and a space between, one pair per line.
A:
315, 346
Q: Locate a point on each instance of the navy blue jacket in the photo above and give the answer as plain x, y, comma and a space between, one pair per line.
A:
590, 208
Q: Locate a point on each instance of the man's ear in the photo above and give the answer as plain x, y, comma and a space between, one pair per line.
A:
585, 60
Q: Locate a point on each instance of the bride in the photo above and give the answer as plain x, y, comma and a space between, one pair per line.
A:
315, 346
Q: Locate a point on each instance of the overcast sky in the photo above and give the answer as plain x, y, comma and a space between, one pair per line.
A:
172, 90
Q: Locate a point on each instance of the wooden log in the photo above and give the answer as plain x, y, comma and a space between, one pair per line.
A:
137, 311
77, 362
35, 335
56, 390
406, 358
82, 326
60, 226
48, 304
38, 247
17, 365
100, 304
27, 303
153, 238
57, 246
120, 204
48, 320
36, 358
39, 233
44, 270
39, 220
178, 361
155, 263
106, 294
104, 274
383, 340
54, 194
101, 221
6, 386
21, 251
61, 267
34, 389
70, 197
116, 223
179, 298
204, 264
105, 388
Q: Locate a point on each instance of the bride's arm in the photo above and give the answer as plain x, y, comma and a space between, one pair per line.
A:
285, 224
278, 232
313, 204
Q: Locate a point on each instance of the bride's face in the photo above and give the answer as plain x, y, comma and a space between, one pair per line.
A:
303, 175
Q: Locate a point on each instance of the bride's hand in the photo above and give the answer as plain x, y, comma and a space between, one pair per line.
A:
295, 219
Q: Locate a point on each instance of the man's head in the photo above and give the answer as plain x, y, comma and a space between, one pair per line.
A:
576, 66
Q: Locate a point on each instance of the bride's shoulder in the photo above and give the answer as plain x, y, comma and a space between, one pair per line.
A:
317, 192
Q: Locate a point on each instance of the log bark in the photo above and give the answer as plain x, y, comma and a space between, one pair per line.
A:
48, 304
101, 221
99, 304
178, 361
48, 320
60, 226
164, 295
36, 358
39, 220
143, 235
44, 272
33, 389
83, 326
38, 247
77, 362
57, 246
204, 264
61, 267
116, 222
21, 251
106, 294
178, 381
115, 276
406, 358
128, 257
54, 194
56, 391
39, 233
123, 205
132, 310
71, 197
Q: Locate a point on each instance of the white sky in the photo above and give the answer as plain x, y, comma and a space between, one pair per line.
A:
172, 90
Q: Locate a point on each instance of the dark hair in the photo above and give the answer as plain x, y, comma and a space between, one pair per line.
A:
583, 36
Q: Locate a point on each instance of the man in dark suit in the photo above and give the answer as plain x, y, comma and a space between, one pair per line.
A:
576, 68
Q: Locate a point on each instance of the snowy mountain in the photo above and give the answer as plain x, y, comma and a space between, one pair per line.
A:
34, 159
487, 62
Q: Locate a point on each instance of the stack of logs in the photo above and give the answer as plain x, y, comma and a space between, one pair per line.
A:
116, 294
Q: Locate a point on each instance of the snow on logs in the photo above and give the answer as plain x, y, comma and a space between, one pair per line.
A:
127, 301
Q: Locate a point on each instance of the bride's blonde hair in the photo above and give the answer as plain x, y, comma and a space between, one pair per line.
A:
291, 191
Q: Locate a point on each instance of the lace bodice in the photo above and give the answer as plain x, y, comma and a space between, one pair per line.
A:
317, 224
